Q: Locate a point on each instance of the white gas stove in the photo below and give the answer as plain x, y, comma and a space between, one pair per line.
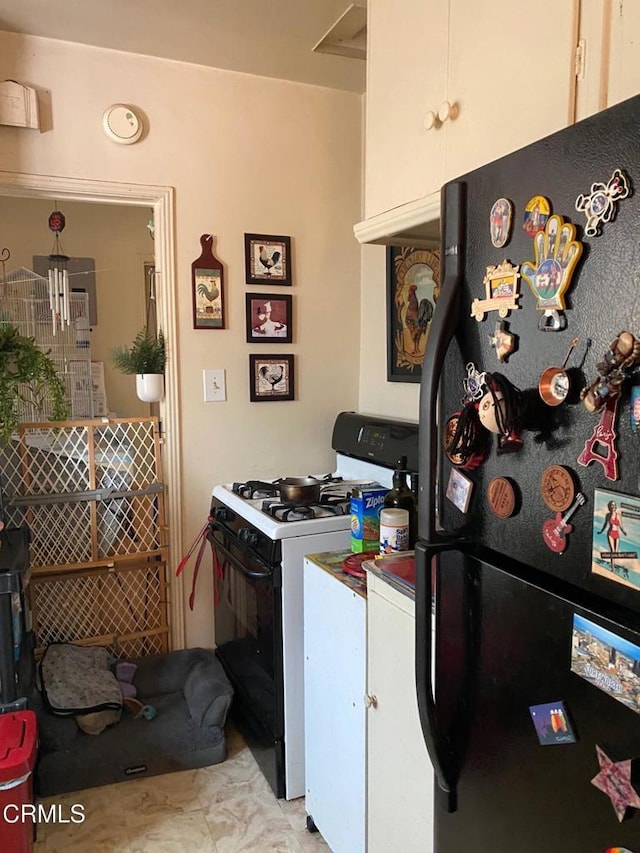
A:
260, 545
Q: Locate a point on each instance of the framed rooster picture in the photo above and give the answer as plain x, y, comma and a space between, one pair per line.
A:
271, 378
207, 288
267, 259
413, 287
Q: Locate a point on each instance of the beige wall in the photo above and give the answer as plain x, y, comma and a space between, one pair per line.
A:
245, 154
117, 238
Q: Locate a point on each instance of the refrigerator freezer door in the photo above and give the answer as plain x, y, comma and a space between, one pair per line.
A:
504, 645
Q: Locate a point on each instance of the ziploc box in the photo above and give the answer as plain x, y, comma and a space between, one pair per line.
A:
366, 504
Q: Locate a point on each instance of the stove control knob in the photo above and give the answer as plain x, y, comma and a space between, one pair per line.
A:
248, 537
223, 513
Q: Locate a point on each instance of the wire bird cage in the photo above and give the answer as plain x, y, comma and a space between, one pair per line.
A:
24, 303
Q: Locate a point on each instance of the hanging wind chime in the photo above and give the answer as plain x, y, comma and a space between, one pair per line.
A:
58, 276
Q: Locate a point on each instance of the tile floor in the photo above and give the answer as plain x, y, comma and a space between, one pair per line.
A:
226, 808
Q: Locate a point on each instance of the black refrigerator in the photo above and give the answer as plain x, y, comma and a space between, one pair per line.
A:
531, 707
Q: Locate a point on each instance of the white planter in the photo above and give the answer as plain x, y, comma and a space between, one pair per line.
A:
150, 387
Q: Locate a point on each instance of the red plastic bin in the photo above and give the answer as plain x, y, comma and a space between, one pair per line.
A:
18, 748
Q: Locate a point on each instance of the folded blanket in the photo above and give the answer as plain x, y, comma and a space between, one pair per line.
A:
77, 680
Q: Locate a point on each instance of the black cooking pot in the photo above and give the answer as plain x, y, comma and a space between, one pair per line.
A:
300, 491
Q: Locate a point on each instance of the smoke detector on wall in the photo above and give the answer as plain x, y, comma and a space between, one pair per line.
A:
122, 124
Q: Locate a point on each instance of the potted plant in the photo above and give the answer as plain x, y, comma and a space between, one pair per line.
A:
27, 377
145, 359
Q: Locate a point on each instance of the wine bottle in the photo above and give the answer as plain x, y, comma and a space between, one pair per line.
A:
401, 497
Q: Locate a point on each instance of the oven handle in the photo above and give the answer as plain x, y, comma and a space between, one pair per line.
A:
248, 573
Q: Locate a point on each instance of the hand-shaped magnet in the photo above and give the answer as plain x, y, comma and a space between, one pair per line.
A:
549, 276
601, 204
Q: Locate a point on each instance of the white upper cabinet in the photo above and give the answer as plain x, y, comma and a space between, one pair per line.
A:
406, 79
624, 53
454, 84
610, 33
511, 74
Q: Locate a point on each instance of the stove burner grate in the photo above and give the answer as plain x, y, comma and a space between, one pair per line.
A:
255, 489
284, 512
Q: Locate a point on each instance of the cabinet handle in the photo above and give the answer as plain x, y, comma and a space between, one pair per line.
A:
447, 111
370, 701
431, 121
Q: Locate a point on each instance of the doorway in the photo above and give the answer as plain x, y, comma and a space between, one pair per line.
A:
160, 199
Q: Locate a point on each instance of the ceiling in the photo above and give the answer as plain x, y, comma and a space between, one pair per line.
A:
274, 39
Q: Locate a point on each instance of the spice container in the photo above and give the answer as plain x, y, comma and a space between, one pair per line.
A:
394, 530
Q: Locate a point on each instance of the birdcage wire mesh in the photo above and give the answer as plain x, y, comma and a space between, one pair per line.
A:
24, 303
124, 608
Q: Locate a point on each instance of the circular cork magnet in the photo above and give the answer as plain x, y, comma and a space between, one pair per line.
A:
502, 497
557, 487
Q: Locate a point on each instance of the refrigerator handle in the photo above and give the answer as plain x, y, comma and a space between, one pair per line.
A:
431, 543
436, 742
443, 326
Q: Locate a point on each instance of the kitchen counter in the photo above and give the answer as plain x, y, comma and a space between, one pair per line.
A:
397, 570
331, 562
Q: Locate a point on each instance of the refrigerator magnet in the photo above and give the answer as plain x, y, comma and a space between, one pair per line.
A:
601, 446
555, 530
554, 383
621, 357
536, 214
500, 222
616, 537
501, 291
556, 254
502, 497
634, 408
557, 487
606, 661
601, 204
552, 724
459, 490
614, 780
503, 341
466, 445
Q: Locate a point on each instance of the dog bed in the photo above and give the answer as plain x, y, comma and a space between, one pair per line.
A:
191, 695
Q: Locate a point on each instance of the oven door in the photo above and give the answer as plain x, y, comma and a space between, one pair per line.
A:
248, 636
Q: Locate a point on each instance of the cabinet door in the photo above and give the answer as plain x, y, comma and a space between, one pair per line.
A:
512, 74
624, 55
399, 774
406, 78
334, 729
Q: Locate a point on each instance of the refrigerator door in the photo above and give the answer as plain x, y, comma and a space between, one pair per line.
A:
602, 301
504, 644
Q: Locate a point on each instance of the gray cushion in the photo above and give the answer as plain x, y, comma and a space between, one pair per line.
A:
208, 693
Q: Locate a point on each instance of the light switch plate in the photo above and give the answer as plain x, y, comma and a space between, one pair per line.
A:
215, 387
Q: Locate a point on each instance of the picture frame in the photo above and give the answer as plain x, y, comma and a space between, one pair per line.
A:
271, 378
413, 287
267, 259
207, 288
269, 318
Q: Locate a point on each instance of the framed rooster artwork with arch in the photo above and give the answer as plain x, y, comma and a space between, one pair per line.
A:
267, 259
413, 287
207, 288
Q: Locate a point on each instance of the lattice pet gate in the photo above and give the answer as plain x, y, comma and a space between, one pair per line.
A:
92, 496
123, 608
